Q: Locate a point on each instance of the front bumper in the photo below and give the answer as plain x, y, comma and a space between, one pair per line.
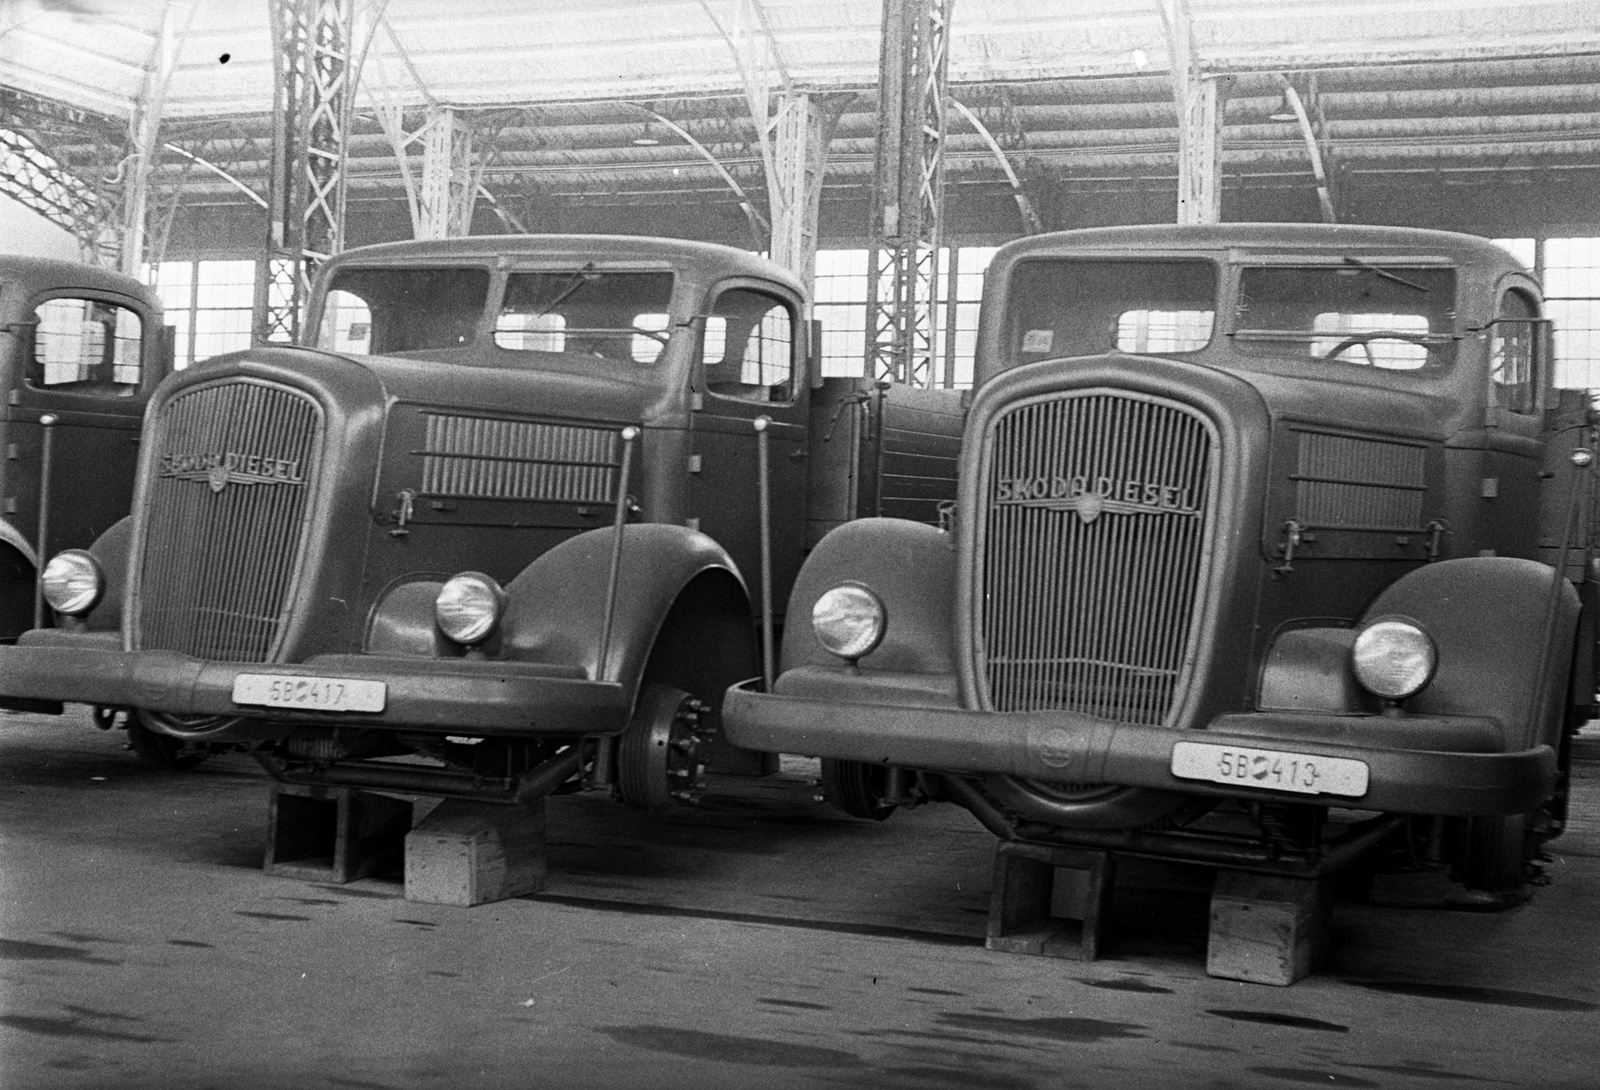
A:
1416, 764
455, 696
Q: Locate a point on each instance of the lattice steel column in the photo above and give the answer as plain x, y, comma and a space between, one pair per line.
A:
907, 203
1199, 103
311, 119
794, 188
449, 188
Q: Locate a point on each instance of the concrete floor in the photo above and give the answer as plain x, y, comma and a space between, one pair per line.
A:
759, 940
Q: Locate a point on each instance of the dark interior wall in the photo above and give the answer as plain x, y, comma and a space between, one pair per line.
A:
1518, 203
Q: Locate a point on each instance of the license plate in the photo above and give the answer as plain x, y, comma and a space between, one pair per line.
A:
316, 694
1273, 769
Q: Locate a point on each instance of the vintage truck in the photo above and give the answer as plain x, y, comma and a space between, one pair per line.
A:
81, 350
1272, 545
507, 517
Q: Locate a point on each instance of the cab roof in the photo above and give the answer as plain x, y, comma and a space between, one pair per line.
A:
49, 272
1264, 238
512, 249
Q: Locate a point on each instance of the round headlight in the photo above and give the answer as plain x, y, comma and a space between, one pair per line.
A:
849, 621
1394, 658
73, 582
468, 607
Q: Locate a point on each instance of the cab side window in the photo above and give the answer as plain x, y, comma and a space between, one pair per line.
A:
86, 346
1513, 356
748, 347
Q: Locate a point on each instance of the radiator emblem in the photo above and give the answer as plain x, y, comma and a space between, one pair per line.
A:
218, 471
1091, 499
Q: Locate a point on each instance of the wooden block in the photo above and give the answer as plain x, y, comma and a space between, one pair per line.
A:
1267, 929
1049, 902
470, 853
334, 834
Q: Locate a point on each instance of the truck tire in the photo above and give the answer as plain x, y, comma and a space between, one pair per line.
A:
660, 756
857, 788
163, 751
1494, 855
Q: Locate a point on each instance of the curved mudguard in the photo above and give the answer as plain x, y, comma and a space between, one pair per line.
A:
558, 603
1504, 628
910, 566
10, 535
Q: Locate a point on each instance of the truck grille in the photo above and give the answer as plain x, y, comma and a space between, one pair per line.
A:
225, 518
1091, 553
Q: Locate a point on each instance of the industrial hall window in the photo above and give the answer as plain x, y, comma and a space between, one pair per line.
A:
841, 306
1571, 273
208, 303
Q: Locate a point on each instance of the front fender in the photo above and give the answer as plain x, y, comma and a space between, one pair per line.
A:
111, 549
557, 610
10, 535
1504, 629
910, 566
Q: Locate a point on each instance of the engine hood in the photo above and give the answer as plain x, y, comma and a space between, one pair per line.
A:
560, 386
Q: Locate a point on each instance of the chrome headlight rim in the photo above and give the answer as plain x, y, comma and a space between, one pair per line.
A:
849, 621
73, 582
1393, 657
469, 607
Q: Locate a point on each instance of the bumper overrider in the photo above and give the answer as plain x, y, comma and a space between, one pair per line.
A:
1418, 764
459, 696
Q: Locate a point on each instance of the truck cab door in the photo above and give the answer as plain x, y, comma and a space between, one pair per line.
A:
1514, 490
87, 363
749, 366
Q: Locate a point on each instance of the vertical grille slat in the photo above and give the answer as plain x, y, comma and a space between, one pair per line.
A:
225, 519
1091, 553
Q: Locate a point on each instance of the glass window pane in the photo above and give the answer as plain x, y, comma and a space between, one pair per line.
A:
412, 309
86, 346
225, 284
762, 368
1075, 307
1577, 346
1572, 266
612, 315
219, 331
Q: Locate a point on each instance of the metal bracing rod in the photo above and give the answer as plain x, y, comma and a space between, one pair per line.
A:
218, 171
758, 222
1324, 194
1030, 218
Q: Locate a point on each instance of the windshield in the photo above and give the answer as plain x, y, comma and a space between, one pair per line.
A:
1080, 307
1364, 313
395, 310
615, 315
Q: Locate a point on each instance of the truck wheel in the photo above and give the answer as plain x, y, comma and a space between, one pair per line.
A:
1493, 854
857, 788
163, 751
660, 757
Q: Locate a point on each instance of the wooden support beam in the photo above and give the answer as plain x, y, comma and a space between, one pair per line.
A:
1049, 901
1267, 929
334, 834
470, 853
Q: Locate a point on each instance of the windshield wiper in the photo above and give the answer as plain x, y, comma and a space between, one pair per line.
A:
583, 276
1384, 273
